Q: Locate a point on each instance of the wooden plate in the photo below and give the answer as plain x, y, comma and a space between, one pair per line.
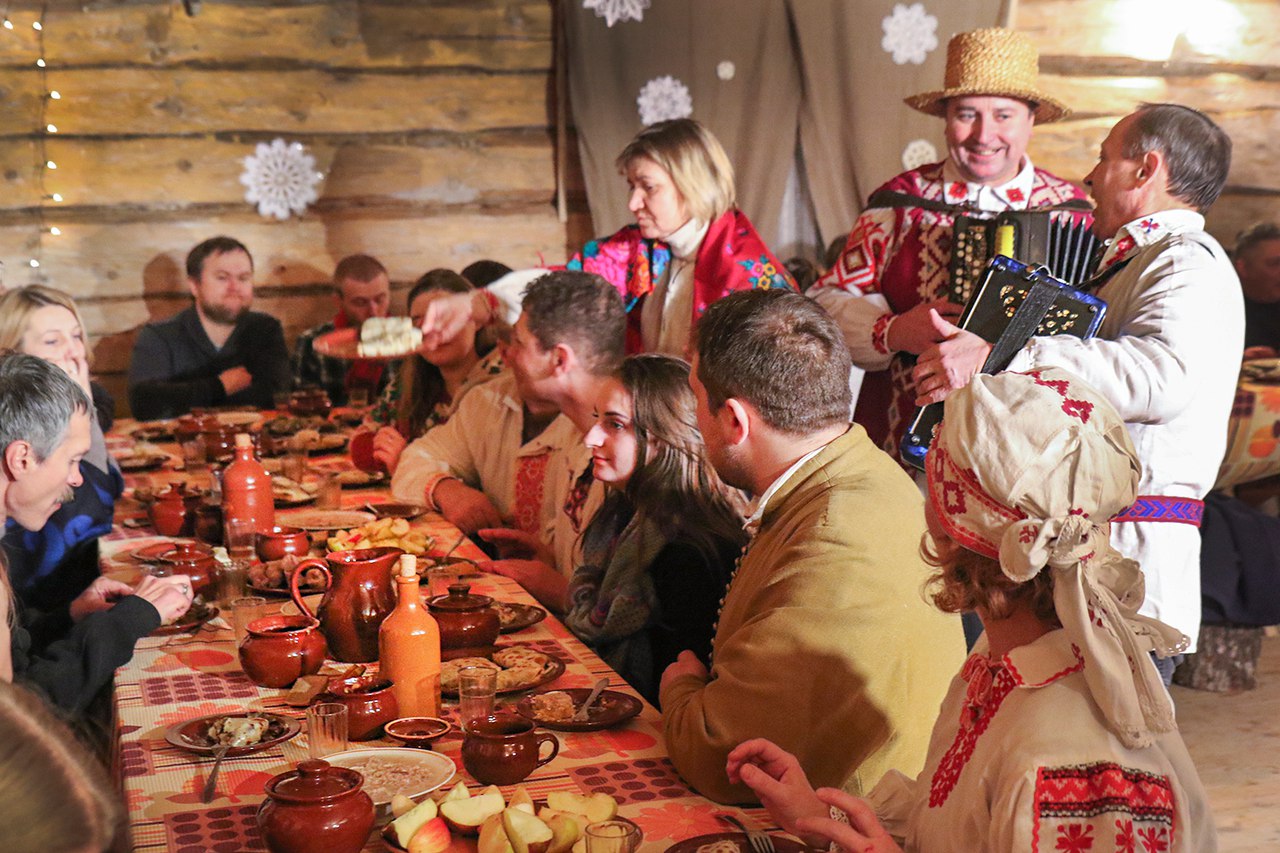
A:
344, 343
324, 519
197, 614
781, 843
551, 670
613, 708
193, 735
521, 616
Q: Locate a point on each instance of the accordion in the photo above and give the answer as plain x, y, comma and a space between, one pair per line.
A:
1055, 239
1011, 303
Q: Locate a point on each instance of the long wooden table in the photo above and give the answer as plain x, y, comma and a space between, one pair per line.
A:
176, 678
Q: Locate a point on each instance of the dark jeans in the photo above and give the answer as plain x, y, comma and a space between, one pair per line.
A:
1166, 666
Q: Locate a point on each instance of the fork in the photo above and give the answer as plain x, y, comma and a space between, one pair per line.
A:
761, 842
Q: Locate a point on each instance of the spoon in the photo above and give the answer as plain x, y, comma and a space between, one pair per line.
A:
580, 716
211, 784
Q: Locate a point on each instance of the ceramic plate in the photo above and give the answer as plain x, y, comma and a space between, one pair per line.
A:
397, 510
197, 614
193, 735
142, 461
516, 617
154, 430
157, 551
781, 843
357, 479
429, 770
344, 343
613, 708
551, 670
324, 519
235, 419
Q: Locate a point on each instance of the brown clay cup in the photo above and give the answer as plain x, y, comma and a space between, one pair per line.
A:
504, 748
370, 704
275, 543
281, 649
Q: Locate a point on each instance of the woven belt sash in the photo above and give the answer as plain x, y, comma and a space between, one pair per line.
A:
1166, 509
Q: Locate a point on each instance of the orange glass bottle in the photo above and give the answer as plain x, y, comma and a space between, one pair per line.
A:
409, 647
246, 488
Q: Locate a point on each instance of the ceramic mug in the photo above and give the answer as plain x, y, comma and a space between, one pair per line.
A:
503, 749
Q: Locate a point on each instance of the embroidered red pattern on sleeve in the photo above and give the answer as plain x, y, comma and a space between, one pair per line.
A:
531, 474
863, 253
1080, 806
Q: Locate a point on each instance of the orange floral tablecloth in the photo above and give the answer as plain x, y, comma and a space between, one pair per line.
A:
1253, 435
176, 678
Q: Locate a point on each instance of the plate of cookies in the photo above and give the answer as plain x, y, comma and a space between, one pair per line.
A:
519, 668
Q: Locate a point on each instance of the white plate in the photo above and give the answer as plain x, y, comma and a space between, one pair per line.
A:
235, 419
436, 769
324, 519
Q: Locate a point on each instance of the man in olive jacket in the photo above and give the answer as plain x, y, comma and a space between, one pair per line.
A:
825, 643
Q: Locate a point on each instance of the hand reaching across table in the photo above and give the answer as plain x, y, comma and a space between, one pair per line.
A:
513, 544
539, 579
99, 595
170, 596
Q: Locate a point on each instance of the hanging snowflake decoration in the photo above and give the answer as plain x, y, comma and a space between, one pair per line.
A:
280, 178
664, 98
617, 10
919, 152
909, 33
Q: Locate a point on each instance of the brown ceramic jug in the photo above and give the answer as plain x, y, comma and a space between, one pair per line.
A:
370, 704
317, 808
358, 595
503, 748
466, 621
281, 649
170, 513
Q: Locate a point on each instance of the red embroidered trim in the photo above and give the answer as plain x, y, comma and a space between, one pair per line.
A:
880, 333
1080, 409
531, 472
1022, 682
950, 489
1072, 798
429, 489
1015, 195
948, 772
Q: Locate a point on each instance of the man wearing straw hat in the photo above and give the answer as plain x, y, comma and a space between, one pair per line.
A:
894, 266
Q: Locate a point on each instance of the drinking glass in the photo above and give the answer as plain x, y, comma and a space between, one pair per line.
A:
233, 579
477, 685
329, 495
439, 578
239, 535
243, 611
613, 836
295, 466
195, 455
358, 397
326, 728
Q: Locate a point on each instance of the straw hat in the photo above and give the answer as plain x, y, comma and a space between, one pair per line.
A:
992, 62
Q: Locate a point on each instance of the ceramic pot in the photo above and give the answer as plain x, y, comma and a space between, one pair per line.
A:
281, 649
466, 621
370, 704
193, 560
170, 513
504, 748
309, 401
209, 522
358, 595
317, 808
274, 543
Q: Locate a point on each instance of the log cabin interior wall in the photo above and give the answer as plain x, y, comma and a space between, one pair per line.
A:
432, 123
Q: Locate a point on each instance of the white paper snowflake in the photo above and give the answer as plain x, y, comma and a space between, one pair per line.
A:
909, 33
617, 10
919, 152
280, 178
664, 98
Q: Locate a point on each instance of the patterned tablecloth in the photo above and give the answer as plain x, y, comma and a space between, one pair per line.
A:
180, 677
1253, 433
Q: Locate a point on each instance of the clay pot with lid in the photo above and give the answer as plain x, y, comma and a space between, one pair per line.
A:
370, 704
281, 649
466, 621
194, 560
317, 808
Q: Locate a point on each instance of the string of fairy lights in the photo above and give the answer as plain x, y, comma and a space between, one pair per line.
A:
43, 164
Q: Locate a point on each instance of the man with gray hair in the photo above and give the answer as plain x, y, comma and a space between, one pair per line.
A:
44, 431
1168, 352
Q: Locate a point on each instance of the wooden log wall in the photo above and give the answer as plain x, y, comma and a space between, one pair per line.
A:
1104, 57
430, 119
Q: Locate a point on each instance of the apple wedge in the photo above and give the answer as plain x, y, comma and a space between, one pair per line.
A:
401, 805
408, 823
593, 807
526, 833
493, 836
520, 799
565, 829
432, 837
466, 816
457, 792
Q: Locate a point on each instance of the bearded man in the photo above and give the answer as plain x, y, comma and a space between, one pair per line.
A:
216, 352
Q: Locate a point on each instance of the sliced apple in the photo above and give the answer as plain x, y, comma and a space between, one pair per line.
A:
407, 824
565, 829
400, 805
466, 816
457, 792
593, 807
526, 833
432, 837
494, 789
493, 836
520, 799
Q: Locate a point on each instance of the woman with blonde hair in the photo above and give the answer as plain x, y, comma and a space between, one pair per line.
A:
1057, 734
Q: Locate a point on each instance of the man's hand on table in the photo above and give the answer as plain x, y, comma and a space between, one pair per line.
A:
539, 579
513, 544
466, 508
686, 664
170, 596
99, 595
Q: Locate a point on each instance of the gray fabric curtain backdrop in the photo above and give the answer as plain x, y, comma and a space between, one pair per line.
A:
764, 75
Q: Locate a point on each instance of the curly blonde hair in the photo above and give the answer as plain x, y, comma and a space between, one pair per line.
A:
967, 580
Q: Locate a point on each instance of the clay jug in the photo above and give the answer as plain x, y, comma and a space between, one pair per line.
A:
169, 514
317, 808
358, 595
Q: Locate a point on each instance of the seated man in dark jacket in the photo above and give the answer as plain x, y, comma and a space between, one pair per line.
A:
44, 431
216, 352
